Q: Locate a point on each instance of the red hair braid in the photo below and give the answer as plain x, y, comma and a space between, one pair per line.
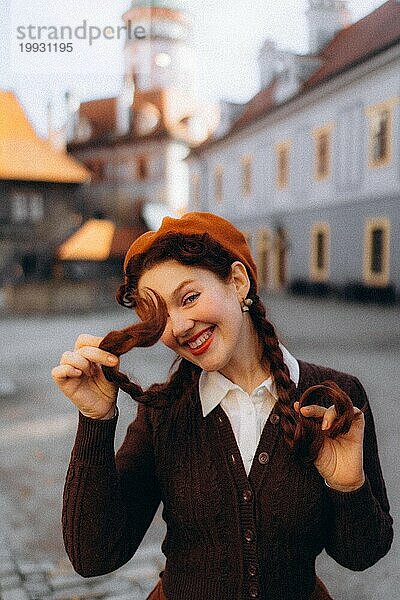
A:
273, 357
302, 434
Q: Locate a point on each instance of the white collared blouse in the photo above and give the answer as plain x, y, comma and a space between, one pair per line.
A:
247, 413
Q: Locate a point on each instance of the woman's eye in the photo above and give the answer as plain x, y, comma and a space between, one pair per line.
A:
190, 299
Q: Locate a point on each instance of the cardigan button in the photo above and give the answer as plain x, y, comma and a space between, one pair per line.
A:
275, 419
254, 591
247, 495
252, 570
263, 458
249, 535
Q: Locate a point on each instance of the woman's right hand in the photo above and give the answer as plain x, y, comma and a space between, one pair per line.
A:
80, 377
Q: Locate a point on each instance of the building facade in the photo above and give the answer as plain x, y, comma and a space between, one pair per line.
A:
310, 170
40, 193
135, 144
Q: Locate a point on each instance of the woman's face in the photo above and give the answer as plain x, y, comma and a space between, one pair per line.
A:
205, 323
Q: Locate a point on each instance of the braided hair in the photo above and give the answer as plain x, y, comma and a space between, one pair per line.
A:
302, 435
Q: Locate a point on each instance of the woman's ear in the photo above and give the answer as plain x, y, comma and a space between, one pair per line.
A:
240, 279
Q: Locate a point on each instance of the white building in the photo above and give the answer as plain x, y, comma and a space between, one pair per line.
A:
310, 169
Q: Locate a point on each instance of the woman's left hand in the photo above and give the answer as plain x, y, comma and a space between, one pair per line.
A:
340, 460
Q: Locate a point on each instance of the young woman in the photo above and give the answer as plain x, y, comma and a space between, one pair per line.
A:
261, 461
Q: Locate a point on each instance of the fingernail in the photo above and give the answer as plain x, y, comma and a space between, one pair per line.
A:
111, 359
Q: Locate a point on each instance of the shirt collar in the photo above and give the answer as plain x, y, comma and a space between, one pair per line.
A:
213, 386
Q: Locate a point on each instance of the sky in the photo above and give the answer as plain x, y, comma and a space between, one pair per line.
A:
226, 34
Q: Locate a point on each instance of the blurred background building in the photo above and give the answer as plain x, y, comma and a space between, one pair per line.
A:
135, 144
309, 168
129, 150
41, 200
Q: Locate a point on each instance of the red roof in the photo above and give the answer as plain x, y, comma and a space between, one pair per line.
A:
257, 106
356, 43
102, 115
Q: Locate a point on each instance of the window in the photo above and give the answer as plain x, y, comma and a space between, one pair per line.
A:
27, 207
380, 133
246, 174
320, 250
377, 236
282, 164
19, 208
218, 183
323, 156
263, 246
196, 201
380, 137
281, 246
322, 152
29, 263
36, 207
142, 167
376, 252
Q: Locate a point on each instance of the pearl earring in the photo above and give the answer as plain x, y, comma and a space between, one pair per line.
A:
246, 304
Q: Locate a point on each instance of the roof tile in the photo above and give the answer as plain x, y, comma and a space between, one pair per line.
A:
25, 156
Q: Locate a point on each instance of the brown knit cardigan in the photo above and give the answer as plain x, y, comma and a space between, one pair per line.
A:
229, 536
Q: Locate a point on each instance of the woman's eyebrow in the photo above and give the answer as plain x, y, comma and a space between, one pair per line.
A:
177, 290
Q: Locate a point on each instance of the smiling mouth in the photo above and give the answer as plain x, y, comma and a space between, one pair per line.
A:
202, 342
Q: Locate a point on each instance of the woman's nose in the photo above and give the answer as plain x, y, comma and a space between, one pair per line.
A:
180, 325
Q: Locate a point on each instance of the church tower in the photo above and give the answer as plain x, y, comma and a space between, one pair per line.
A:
159, 60
325, 18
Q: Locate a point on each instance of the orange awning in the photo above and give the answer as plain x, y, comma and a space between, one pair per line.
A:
91, 242
99, 239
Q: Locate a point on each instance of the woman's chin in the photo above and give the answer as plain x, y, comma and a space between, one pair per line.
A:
208, 363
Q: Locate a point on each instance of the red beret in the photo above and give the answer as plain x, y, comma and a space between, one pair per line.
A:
218, 229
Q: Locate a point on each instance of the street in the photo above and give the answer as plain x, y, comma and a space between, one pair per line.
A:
37, 427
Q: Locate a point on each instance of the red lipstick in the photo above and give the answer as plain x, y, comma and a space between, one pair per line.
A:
194, 338
204, 347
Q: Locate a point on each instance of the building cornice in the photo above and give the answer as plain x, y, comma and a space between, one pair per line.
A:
305, 98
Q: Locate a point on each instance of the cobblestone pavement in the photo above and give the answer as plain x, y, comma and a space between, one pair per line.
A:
21, 579
37, 427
